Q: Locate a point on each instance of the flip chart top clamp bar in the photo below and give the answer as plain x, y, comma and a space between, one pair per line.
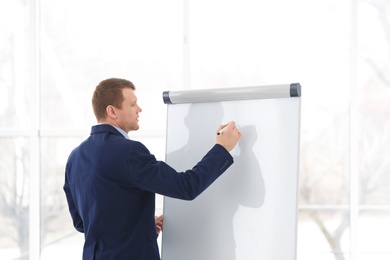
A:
230, 94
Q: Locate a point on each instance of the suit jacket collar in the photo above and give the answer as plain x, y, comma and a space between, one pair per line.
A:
102, 128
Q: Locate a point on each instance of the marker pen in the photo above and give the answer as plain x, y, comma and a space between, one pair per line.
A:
220, 131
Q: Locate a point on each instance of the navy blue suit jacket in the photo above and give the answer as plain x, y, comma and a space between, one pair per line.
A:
110, 186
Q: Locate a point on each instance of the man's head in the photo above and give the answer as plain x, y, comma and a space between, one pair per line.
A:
114, 102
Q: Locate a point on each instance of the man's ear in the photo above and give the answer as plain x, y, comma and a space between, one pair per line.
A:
111, 112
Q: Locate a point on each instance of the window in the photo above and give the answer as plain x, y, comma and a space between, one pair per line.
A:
53, 53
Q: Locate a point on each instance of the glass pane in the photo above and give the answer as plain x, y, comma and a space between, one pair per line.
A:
258, 42
374, 232
14, 198
137, 40
373, 256
374, 106
323, 231
57, 232
15, 64
322, 256
324, 165
324, 161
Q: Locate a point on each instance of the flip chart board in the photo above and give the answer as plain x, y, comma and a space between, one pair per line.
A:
250, 212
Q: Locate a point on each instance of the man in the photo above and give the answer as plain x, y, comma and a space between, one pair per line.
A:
111, 181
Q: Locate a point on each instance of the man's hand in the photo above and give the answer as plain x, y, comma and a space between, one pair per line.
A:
228, 135
159, 223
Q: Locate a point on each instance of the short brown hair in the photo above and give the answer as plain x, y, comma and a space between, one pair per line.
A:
109, 92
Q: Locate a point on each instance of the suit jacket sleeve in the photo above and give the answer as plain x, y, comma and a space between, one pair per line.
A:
77, 221
156, 176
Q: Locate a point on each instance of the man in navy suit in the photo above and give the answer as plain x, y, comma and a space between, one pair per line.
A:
111, 181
